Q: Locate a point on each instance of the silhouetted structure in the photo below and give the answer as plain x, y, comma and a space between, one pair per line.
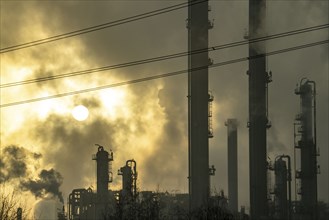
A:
232, 166
19, 213
128, 203
128, 194
306, 143
104, 177
198, 97
82, 204
129, 179
258, 121
61, 215
282, 190
173, 206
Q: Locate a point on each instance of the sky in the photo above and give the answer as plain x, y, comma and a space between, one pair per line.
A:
146, 121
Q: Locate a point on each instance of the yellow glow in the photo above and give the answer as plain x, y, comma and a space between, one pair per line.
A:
46, 107
114, 101
80, 113
23, 72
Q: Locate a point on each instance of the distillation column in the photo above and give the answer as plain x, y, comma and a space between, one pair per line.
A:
198, 25
281, 200
232, 157
308, 152
129, 180
104, 176
258, 122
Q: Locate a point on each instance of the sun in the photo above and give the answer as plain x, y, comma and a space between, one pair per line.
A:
80, 113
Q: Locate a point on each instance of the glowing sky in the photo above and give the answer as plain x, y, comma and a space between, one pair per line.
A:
147, 121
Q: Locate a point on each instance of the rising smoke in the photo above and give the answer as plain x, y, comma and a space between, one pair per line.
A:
68, 146
18, 165
48, 181
274, 142
13, 162
169, 158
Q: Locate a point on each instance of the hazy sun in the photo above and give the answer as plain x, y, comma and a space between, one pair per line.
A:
80, 113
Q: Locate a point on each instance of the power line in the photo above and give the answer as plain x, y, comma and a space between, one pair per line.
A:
101, 26
135, 81
166, 57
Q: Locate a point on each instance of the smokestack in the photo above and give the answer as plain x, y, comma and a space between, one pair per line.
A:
104, 176
19, 213
258, 121
198, 25
232, 154
280, 190
307, 146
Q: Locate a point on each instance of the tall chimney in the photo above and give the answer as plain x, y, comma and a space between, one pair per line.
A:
232, 159
258, 122
307, 146
198, 25
280, 190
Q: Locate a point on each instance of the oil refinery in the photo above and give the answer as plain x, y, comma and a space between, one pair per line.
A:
266, 202
281, 185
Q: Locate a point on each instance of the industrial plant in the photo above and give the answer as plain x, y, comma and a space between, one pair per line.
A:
131, 203
266, 202
284, 187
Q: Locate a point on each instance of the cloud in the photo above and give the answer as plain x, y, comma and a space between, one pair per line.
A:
167, 165
18, 166
14, 163
274, 144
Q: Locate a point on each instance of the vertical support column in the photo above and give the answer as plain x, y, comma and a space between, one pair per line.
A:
232, 158
103, 159
258, 79
129, 180
280, 191
308, 152
19, 213
198, 25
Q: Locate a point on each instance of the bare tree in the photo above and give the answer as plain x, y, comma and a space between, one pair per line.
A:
9, 205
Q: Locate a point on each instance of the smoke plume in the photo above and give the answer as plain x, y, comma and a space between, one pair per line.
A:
151, 126
19, 164
48, 181
13, 162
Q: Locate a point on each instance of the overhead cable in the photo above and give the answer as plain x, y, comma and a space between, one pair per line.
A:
166, 57
102, 26
135, 81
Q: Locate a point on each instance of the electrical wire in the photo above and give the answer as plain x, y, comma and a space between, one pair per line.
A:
102, 26
135, 81
166, 57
